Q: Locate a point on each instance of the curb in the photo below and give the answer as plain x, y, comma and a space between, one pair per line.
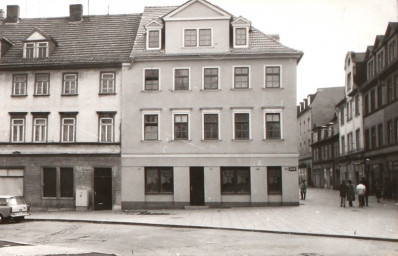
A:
381, 239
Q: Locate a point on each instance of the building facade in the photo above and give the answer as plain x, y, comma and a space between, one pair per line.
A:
380, 94
317, 110
208, 112
60, 108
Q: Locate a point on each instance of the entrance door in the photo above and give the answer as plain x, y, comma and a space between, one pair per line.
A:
102, 188
196, 175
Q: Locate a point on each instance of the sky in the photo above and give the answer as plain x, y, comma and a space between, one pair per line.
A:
325, 30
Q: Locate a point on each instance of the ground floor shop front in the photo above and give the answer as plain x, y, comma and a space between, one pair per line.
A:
177, 181
63, 182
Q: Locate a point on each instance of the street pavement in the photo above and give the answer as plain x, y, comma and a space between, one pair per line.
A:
319, 215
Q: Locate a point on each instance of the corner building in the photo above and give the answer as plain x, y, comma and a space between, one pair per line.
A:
208, 110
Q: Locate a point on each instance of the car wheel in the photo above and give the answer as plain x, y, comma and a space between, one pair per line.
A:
1, 219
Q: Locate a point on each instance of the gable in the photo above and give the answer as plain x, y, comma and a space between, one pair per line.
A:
35, 36
196, 9
241, 21
154, 24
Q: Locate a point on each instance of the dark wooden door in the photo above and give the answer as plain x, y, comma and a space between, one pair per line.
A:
196, 175
102, 188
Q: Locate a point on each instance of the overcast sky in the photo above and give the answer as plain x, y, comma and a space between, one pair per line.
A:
323, 29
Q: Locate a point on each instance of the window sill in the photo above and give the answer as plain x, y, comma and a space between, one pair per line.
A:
181, 90
181, 140
19, 96
242, 140
274, 193
274, 140
150, 91
210, 90
107, 94
272, 88
235, 194
241, 89
149, 141
68, 95
57, 198
214, 140
41, 95
159, 194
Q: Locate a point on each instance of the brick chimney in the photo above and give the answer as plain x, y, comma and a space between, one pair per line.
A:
1, 14
12, 13
75, 12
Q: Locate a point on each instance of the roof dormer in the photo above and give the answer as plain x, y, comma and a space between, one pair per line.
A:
5, 44
38, 45
241, 28
154, 34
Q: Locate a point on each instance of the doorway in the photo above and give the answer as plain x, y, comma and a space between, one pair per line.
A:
102, 188
196, 177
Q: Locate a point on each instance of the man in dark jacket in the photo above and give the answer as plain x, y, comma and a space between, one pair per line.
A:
343, 193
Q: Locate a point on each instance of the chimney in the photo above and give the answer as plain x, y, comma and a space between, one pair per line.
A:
1, 14
12, 13
75, 12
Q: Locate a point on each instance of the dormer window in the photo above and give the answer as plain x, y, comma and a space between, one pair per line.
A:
36, 50
197, 37
154, 39
241, 28
154, 35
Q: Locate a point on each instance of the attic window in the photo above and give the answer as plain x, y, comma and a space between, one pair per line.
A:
241, 28
153, 39
240, 36
33, 50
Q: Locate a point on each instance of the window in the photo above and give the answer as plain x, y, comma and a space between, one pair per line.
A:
107, 85
68, 128
357, 109
181, 79
235, 180
69, 84
342, 115
210, 126
396, 129
241, 126
153, 39
342, 145
181, 128
106, 127
380, 135
349, 109
390, 91
396, 86
42, 83
367, 140
240, 37
210, 78
358, 138
350, 142
40, 128
367, 106
349, 82
372, 100
190, 37
58, 182
373, 137
241, 77
380, 61
36, 50
204, 37
370, 69
274, 179
273, 126
390, 130
392, 51
272, 77
18, 128
380, 96
159, 180
19, 84
151, 80
151, 127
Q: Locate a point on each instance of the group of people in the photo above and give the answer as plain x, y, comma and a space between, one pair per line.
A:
347, 192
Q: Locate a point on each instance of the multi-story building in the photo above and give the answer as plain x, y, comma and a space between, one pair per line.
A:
208, 111
380, 94
318, 109
350, 115
60, 82
325, 154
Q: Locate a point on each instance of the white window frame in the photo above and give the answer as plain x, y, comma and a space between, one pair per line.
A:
371, 68
211, 112
198, 37
247, 36
47, 85
24, 87
147, 39
150, 112
233, 77
280, 76
242, 111
392, 45
143, 79
101, 82
181, 112
63, 118
272, 111
101, 126
203, 78
382, 65
35, 49
43, 134
189, 78
64, 83
18, 129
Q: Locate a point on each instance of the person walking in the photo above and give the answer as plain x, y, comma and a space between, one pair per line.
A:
303, 190
350, 193
378, 190
361, 190
367, 190
343, 193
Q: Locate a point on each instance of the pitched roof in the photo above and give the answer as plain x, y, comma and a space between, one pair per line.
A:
259, 43
94, 40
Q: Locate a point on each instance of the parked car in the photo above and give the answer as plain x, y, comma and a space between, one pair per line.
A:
13, 208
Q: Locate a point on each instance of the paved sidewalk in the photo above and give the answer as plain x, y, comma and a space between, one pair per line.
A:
319, 215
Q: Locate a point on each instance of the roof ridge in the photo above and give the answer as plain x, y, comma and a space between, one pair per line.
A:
84, 16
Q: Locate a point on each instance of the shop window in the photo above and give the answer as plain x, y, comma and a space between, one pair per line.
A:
159, 180
274, 175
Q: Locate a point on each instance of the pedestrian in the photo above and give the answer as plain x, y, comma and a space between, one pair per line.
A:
367, 190
350, 193
361, 190
378, 189
303, 190
343, 193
